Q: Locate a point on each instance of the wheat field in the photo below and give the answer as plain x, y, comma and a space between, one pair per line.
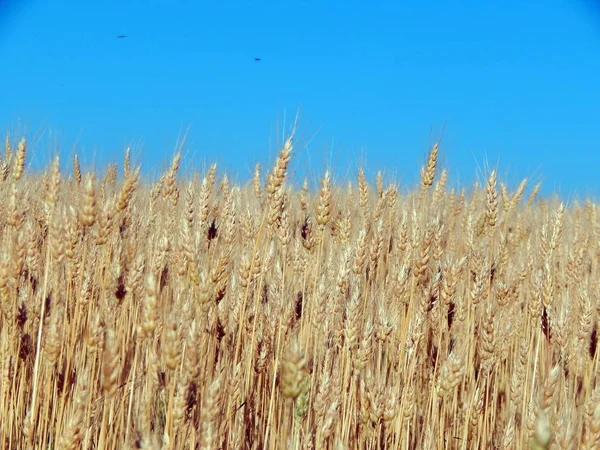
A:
199, 314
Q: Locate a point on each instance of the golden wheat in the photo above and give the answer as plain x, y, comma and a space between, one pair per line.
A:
264, 316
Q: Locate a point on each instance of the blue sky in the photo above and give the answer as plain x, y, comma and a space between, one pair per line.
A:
509, 84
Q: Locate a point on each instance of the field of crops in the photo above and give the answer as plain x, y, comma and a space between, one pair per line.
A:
201, 314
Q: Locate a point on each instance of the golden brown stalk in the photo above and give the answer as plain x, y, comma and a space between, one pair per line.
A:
549, 389
192, 354
351, 328
126, 192
5, 300
379, 208
488, 339
57, 242
211, 409
7, 149
363, 199
361, 253
593, 435
127, 162
324, 209
110, 364
204, 209
557, 228
19, 166
284, 231
492, 200
87, 215
171, 344
53, 187
105, 223
505, 198
428, 172
225, 187
518, 195
211, 176
5, 167
542, 434
379, 184
180, 402
277, 176
276, 180
72, 435
52, 343
304, 197
110, 177
14, 216
295, 375
440, 188
533, 194
170, 190
77, 169
149, 311
327, 427
257, 182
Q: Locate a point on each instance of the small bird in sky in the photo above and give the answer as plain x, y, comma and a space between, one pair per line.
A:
121, 36
257, 59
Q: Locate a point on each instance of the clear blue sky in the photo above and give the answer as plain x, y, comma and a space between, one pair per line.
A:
514, 84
